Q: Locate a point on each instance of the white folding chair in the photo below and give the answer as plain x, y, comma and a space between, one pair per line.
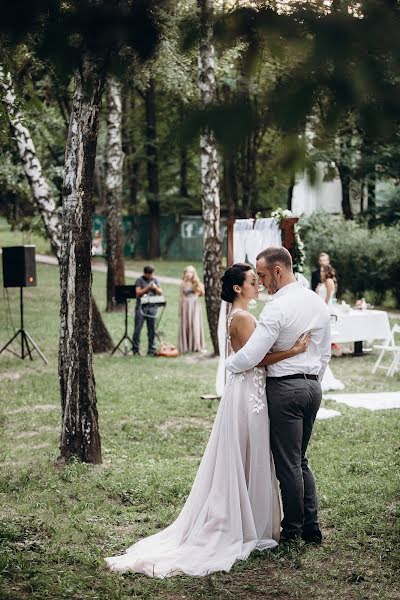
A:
389, 346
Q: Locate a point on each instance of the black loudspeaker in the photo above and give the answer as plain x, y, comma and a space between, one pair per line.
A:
124, 292
19, 266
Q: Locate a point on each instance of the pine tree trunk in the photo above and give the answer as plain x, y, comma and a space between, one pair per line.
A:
80, 437
153, 201
248, 175
345, 177
229, 183
113, 185
371, 187
183, 172
345, 170
41, 193
245, 179
129, 149
230, 186
212, 249
290, 192
183, 162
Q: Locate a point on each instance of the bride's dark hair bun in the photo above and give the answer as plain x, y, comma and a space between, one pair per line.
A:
235, 275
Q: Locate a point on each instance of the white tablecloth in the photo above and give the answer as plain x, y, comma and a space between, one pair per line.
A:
360, 325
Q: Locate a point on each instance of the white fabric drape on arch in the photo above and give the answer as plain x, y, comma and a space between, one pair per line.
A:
242, 238
249, 238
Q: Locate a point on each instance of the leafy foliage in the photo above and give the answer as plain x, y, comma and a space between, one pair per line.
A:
389, 213
365, 259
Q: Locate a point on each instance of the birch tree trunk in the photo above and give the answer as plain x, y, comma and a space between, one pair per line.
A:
212, 247
80, 436
113, 184
41, 191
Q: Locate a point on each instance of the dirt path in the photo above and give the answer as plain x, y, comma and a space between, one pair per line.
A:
51, 260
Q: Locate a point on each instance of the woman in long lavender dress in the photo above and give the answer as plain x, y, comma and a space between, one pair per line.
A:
191, 330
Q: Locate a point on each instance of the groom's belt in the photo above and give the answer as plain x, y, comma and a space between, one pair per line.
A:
297, 376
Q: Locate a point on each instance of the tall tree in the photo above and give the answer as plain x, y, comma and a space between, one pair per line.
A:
153, 200
40, 188
113, 184
229, 181
129, 148
212, 248
345, 177
80, 436
41, 191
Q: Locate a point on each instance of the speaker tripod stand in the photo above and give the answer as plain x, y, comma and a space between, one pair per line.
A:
28, 344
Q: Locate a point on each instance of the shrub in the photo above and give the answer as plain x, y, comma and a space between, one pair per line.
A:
365, 259
388, 213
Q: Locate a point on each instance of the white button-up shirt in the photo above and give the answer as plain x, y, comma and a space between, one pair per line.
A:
293, 311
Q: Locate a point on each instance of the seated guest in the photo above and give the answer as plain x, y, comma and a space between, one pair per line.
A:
323, 260
146, 284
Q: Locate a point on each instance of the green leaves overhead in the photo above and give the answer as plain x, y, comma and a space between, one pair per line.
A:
348, 55
230, 123
61, 29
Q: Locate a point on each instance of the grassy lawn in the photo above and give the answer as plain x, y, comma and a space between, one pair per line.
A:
165, 267
57, 524
19, 238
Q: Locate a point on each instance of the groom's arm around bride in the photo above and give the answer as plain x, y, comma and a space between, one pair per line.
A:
293, 311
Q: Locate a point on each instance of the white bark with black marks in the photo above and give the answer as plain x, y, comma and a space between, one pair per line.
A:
80, 436
45, 202
113, 186
209, 161
33, 169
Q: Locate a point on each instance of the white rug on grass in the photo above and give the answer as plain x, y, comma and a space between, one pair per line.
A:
377, 401
327, 413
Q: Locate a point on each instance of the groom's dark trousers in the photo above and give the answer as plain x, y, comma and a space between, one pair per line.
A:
293, 405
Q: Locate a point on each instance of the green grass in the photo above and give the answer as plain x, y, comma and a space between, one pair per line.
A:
169, 268
19, 238
57, 524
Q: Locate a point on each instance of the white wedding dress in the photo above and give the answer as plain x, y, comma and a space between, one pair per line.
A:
329, 381
323, 292
233, 507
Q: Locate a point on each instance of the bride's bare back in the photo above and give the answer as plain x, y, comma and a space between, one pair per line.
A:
242, 326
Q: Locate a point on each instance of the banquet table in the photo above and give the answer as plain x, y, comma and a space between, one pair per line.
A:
360, 325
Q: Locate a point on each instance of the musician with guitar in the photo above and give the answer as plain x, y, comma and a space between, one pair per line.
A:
146, 286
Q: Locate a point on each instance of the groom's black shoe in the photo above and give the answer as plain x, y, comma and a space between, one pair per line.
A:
312, 537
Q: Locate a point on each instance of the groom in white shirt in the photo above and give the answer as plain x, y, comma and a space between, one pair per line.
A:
293, 385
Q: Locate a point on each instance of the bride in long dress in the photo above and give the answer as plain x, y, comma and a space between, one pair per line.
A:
233, 507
